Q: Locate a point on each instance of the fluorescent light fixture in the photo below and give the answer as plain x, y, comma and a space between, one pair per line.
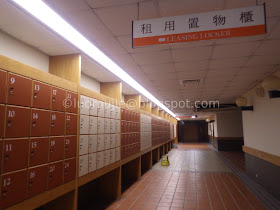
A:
177, 118
47, 16
194, 116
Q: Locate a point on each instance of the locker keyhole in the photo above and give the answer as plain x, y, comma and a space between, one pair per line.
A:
7, 157
51, 149
30, 184
52, 124
9, 123
12, 90
4, 193
35, 95
53, 99
32, 154
34, 124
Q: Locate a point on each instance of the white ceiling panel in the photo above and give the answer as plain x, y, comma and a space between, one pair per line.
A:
239, 3
68, 5
191, 65
147, 10
110, 3
270, 47
118, 19
275, 32
158, 68
272, 7
235, 50
191, 44
63, 49
257, 70
227, 63
111, 46
157, 57
264, 60
191, 54
223, 72
190, 75
165, 76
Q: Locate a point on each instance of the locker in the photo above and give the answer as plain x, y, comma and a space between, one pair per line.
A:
128, 115
113, 111
107, 124
15, 154
70, 146
107, 140
71, 124
55, 174
69, 170
92, 125
92, 162
112, 141
83, 145
92, 143
118, 112
59, 101
56, 148
127, 127
83, 165
124, 139
13, 188
3, 85
72, 101
57, 123
107, 157
100, 142
84, 105
40, 122
37, 180
17, 122
100, 160
93, 107
107, 110
118, 153
84, 124
41, 95
123, 114
118, 126
112, 155
2, 117
100, 126
123, 127
100, 109
118, 140
1, 151
112, 126
39, 151
19, 90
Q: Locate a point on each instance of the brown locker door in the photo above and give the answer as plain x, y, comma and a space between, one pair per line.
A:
55, 175
3, 84
57, 123
37, 180
71, 124
58, 99
2, 117
70, 146
40, 122
39, 151
72, 101
13, 188
41, 95
17, 122
19, 90
69, 170
56, 148
15, 155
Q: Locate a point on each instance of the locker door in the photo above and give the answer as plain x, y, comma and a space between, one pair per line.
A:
58, 99
70, 146
40, 124
100, 160
56, 148
55, 174
3, 86
84, 105
107, 111
107, 140
100, 126
84, 124
100, 142
71, 124
118, 140
92, 143
107, 157
37, 180
118, 153
19, 90
39, 151
15, 155
93, 107
112, 126
17, 122
92, 162
2, 117
123, 139
69, 170
72, 101
83, 145
57, 123
112, 155
123, 114
13, 188
113, 111
83, 165
100, 109
41, 95
112, 141
118, 126
123, 127
92, 125
118, 112
107, 124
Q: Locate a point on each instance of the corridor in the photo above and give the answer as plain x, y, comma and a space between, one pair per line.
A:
197, 178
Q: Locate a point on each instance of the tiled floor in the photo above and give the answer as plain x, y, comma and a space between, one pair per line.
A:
237, 158
196, 179
194, 146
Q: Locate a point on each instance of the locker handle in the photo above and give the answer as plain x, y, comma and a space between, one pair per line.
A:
35, 95
66, 148
51, 149
7, 157
53, 100
11, 90
30, 184
67, 124
50, 177
9, 123
65, 173
52, 124
32, 154
34, 124
4, 193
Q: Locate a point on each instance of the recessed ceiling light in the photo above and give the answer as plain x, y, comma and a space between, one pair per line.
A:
194, 116
50, 18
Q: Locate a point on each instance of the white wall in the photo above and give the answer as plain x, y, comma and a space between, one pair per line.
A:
262, 126
14, 49
229, 124
90, 83
215, 126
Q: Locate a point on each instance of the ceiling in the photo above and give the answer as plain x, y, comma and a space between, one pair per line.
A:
226, 68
